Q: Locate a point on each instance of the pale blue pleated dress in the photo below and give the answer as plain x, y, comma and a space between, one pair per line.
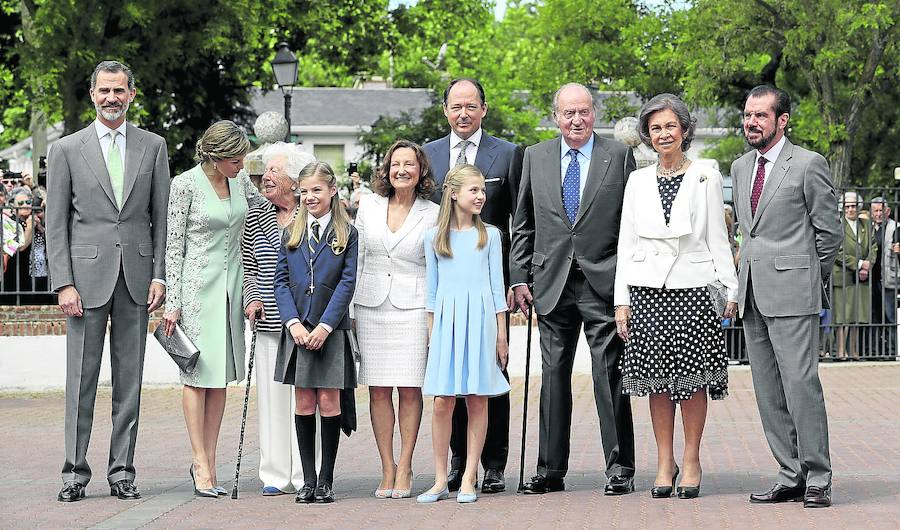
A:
465, 293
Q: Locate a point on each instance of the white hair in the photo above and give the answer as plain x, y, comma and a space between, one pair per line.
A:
296, 158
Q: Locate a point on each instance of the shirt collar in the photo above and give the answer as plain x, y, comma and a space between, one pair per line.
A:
585, 149
103, 130
323, 222
475, 138
772, 154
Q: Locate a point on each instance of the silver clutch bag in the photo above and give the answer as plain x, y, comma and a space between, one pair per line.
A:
180, 348
718, 295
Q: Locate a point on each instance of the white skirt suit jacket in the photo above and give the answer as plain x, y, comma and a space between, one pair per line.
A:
691, 251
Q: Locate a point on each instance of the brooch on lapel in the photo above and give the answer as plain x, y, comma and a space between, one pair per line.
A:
338, 250
702, 178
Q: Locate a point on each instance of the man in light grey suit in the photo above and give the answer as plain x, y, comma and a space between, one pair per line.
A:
565, 234
785, 203
501, 164
108, 190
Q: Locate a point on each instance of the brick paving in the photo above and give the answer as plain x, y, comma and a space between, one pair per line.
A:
862, 404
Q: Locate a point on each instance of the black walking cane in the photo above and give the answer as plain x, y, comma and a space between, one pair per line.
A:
237, 469
525, 402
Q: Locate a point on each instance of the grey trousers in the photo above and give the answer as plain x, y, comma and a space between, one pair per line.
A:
559, 329
84, 350
784, 361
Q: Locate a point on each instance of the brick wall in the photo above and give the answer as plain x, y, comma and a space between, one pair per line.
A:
32, 320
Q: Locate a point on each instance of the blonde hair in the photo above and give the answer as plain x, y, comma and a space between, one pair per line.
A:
453, 184
223, 140
340, 221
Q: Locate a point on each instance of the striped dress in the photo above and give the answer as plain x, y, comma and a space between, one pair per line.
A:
259, 254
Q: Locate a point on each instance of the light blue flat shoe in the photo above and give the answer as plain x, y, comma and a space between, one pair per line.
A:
220, 490
466, 498
427, 498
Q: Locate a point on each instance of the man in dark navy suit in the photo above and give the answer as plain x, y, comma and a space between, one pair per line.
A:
501, 163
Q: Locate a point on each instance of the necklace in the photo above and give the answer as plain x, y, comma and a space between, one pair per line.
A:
280, 214
669, 173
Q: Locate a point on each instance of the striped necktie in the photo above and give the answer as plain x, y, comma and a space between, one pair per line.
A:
314, 236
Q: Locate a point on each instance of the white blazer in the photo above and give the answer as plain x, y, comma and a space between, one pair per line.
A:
391, 266
691, 251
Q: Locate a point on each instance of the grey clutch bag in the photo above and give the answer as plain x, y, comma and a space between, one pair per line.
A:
180, 348
718, 295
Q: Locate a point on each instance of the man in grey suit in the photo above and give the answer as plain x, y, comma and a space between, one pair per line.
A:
785, 203
501, 164
565, 234
108, 190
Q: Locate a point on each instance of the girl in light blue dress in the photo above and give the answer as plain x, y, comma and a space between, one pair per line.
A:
467, 317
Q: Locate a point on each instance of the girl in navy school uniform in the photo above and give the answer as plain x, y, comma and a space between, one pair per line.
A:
466, 306
314, 283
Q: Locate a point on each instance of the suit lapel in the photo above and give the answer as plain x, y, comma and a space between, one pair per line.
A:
596, 175
552, 168
441, 163
413, 218
93, 156
680, 215
741, 188
775, 178
134, 153
327, 235
486, 154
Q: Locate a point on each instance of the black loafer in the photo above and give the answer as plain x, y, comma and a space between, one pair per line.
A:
540, 484
125, 490
71, 492
493, 481
817, 497
454, 479
306, 495
324, 493
779, 493
619, 485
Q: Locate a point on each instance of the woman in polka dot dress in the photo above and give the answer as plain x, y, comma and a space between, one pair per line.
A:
672, 244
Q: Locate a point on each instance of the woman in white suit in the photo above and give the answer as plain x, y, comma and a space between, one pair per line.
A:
673, 244
389, 305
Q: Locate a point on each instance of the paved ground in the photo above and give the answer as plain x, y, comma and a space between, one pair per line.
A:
862, 403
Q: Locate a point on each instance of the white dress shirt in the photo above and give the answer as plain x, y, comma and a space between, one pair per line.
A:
471, 150
771, 156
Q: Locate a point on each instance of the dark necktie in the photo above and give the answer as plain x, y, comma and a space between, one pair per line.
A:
571, 195
314, 238
758, 184
461, 157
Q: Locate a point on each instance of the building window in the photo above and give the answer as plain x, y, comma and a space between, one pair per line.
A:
332, 154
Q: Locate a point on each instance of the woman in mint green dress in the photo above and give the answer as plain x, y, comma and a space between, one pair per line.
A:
207, 207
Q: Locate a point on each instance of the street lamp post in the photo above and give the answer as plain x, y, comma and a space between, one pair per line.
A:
284, 66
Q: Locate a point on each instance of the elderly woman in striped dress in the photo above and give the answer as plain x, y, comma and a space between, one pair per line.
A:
279, 456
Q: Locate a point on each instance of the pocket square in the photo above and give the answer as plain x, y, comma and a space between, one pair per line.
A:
495, 179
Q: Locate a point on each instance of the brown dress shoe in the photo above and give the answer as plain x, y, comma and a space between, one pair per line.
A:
817, 497
779, 493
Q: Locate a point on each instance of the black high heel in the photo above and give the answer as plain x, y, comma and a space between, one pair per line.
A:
664, 492
690, 492
209, 493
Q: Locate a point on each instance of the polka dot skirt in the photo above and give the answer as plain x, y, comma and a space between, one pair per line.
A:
676, 344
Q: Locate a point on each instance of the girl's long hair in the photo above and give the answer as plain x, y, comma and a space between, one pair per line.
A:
340, 221
447, 215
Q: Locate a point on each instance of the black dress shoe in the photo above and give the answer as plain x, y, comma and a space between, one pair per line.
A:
454, 479
779, 493
71, 492
540, 484
619, 485
324, 493
306, 495
817, 497
493, 481
664, 492
125, 490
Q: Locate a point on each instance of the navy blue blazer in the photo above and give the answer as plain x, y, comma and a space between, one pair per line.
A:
334, 278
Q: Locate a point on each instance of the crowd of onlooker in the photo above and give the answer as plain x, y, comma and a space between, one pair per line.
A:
24, 251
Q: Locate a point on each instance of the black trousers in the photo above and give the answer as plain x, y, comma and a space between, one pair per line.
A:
496, 441
580, 304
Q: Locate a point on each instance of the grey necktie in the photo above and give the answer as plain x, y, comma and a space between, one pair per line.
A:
461, 159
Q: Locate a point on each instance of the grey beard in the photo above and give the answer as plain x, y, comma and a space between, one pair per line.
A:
111, 116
